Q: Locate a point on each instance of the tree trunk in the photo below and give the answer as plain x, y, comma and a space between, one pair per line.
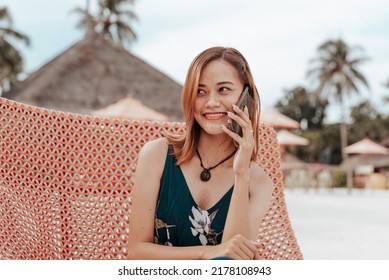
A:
89, 24
342, 127
343, 141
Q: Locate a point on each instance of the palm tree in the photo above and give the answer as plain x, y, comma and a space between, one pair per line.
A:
113, 20
11, 61
336, 71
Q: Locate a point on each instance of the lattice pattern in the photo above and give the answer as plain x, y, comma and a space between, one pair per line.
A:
65, 182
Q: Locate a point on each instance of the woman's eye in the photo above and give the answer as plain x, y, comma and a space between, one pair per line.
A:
200, 91
224, 89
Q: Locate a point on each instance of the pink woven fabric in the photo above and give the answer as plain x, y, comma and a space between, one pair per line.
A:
66, 179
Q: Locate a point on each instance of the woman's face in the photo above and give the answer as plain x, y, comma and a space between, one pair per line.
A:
219, 88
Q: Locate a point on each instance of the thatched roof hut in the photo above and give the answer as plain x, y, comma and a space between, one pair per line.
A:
94, 73
378, 161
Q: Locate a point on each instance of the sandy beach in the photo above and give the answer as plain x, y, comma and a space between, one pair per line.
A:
338, 225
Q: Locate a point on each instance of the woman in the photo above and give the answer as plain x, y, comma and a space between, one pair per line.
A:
200, 188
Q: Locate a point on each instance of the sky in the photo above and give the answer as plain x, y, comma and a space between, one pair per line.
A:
278, 37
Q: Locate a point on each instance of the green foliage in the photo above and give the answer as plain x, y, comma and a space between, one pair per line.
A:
362, 112
11, 60
367, 122
301, 105
324, 146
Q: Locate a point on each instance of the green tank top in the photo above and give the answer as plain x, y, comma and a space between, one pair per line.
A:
179, 221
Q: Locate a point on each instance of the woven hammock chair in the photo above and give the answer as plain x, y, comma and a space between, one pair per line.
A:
66, 179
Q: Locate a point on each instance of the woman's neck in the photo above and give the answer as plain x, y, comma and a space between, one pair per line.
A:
213, 148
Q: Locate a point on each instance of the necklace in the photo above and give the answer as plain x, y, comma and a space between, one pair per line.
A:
205, 175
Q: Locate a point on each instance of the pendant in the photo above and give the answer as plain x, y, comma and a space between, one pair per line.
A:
205, 175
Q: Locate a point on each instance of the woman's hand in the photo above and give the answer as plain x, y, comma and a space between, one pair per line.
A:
246, 142
236, 248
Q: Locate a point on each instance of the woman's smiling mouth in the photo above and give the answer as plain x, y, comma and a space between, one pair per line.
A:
214, 115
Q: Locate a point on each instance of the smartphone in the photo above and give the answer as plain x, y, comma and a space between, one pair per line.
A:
245, 99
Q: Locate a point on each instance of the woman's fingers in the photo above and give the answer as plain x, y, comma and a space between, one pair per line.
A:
239, 120
238, 248
246, 248
233, 135
249, 251
244, 114
243, 119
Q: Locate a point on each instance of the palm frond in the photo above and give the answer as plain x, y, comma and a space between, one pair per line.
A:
111, 20
359, 76
4, 15
79, 11
11, 61
350, 85
124, 30
333, 65
130, 14
15, 34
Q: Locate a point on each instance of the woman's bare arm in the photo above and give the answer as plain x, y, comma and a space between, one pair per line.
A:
249, 202
144, 200
252, 190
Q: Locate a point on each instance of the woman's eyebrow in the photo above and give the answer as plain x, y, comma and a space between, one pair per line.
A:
224, 83
219, 83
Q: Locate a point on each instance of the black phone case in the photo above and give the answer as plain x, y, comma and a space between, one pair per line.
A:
244, 100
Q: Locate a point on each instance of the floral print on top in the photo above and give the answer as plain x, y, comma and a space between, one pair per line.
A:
179, 221
202, 226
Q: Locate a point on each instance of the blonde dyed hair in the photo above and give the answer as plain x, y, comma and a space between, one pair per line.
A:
184, 146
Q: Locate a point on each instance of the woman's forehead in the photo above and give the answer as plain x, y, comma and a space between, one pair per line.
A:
219, 71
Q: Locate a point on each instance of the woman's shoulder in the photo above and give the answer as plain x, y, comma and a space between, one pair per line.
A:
154, 150
155, 146
152, 157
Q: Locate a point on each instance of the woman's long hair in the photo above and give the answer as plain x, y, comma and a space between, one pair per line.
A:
184, 146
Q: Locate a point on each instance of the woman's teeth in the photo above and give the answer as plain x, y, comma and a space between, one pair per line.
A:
214, 115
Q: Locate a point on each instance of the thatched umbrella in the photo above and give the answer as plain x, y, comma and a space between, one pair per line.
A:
276, 119
379, 161
287, 138
94, 73
130, 108
364, 147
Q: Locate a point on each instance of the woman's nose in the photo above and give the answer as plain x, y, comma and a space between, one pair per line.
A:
213, 100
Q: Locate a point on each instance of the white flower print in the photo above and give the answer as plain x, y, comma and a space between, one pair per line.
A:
201, 223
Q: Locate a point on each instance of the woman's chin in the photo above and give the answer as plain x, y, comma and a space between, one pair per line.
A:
213, 129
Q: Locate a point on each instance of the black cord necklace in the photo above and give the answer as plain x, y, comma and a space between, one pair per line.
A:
205, 175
